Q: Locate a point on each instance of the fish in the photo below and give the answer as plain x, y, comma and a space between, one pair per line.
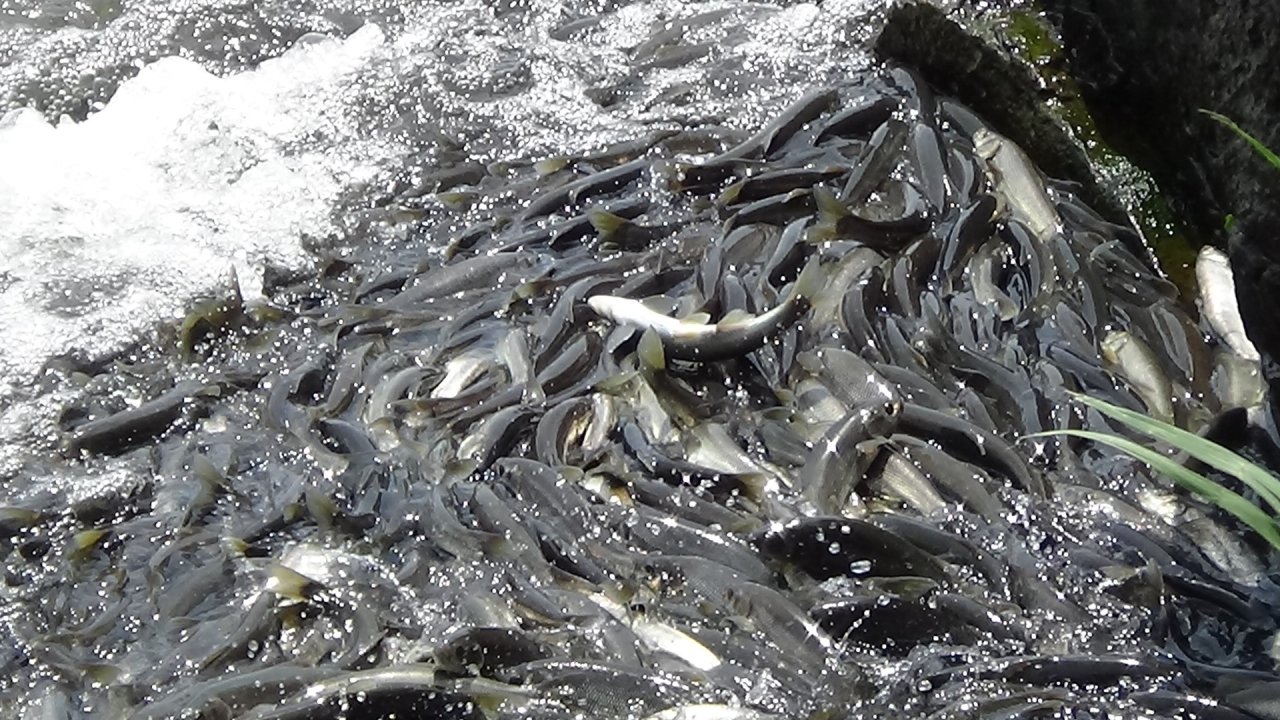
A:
829, 547
116, 433
1135, 360
1218, 301
858, 120
733, 336
838, 461
1017, 180
777, 132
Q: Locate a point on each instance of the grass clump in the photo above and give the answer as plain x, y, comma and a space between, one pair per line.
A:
1263, 520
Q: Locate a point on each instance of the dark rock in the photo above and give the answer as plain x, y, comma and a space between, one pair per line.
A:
955, 58
1145, 68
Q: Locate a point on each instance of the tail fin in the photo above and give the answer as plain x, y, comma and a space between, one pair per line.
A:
606, 223
812, 280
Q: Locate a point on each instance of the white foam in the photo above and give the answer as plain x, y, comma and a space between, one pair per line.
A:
112, 224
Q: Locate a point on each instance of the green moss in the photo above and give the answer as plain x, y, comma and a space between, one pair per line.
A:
1172, 240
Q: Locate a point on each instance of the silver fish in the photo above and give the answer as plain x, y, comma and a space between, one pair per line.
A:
735, 335
1142, 369
1016, 178
1218, 301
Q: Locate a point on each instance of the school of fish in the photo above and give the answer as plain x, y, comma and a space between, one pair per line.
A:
703, 426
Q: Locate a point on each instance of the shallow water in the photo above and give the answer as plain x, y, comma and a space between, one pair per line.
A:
314, 503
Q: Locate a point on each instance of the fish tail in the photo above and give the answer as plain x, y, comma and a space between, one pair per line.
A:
753, 485
730, 194
830, 209
550, 165
811, 281
650, 350
606, 223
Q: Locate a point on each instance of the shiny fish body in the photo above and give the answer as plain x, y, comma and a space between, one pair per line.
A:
703, 342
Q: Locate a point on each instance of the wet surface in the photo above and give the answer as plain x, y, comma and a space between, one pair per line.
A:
712, 407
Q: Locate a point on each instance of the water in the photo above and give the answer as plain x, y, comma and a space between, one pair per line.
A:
296, 152
236, 131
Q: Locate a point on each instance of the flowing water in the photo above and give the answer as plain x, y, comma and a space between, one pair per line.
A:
312, 406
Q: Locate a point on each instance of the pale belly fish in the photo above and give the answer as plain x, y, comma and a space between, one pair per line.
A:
737, 334
1218, 301
1015, 178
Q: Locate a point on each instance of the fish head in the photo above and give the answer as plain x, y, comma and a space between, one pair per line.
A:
986, 143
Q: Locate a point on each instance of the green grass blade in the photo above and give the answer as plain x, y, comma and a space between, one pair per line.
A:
1247, 512
1266, 485
1230, 124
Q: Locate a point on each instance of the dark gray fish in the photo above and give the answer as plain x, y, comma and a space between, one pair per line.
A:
859, 120
850, 378
959, 117
559, 429
891, 624
837, 462
497, 436
480, 272
960, 481
905, 218
394, 691
778, 131
670, 536
972, 227
829, 547
928, 157
570, 368
919, 96
778, 182
572, 195
875, 163
953, 548
716, 484
484, 650
975, 444
776, 210
116, 433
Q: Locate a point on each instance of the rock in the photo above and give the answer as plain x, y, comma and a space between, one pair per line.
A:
1145, 68
958, 53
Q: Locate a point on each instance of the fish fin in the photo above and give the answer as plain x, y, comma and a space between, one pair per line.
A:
291, 584
698, 318
607, 224
830, 209
459, 469
236, 547
811, 281
550, 165
456, 199
730, 194
498, 547
83, 542
650, 350
321, 507
754, 485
